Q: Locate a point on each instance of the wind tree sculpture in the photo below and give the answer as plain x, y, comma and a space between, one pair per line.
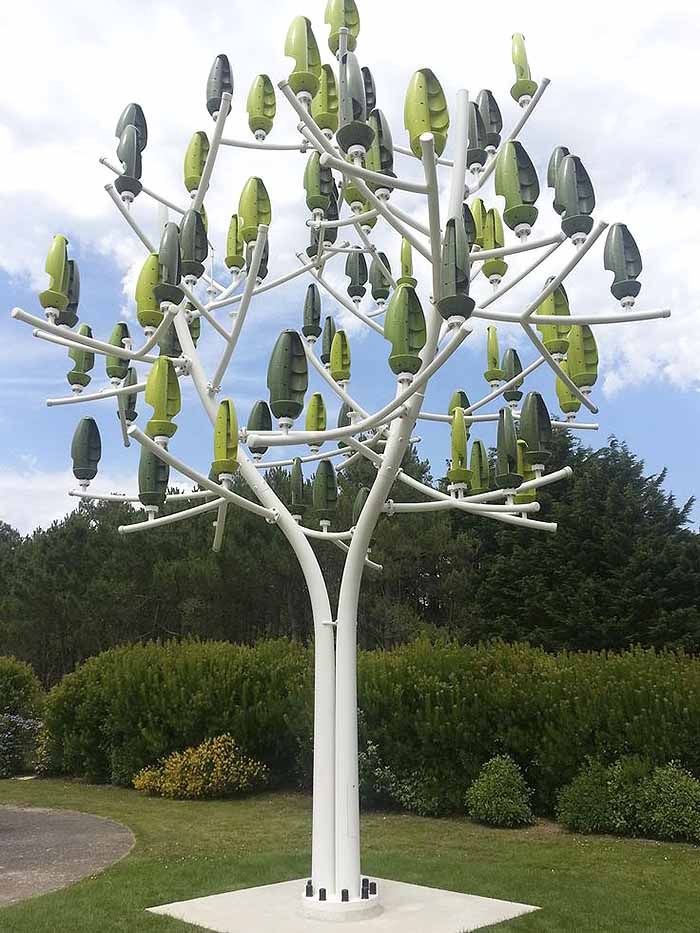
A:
351, 185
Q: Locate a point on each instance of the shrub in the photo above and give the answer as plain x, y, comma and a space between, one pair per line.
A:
670, 804
20, 704
499, 796
46, 753
17, 736
630, 798
130, 707
215, 768
584, 805
20, 690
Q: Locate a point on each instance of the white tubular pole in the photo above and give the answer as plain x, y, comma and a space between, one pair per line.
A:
459, 171
224, 111
326, 535
139, 232
556, 368
316, 137
345, 221
409, 152
102, 497
144, 189
506, 385
330, 381
261, 439
227, 293
464, 506
398, 214
484, 254
311, 458
356, 171
427, 145
476, 508
199, 478
194, 494
491, 164
72, 338
369, 245
170, 519
266, 287
326, 455
121, 411
97, 396
368, 563
51, 337
209, 318
243, 310
483, 419
568, 268
219, 526
392, 219
168, 316
249, 144
479, 311
342, 300
323, 836
345, 249
624, 317
347, 776
121, 207
546, 480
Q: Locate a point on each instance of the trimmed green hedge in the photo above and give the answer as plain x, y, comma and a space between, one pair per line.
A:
21, 700
130, 707
20, 690
434, 713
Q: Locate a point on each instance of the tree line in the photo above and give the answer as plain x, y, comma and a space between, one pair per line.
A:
623, 568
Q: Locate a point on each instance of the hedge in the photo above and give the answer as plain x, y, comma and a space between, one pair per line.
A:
20, 690
21, 699
432, 714
130, 707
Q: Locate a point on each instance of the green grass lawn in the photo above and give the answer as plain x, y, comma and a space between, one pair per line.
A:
187, 849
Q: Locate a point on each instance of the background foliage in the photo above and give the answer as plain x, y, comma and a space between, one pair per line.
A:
625, 572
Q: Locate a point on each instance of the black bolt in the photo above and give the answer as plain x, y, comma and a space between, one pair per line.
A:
309, 889
365, 893
344, 896
373, 887
365, 883
322, 894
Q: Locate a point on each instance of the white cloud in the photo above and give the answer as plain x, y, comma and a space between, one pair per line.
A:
34, 498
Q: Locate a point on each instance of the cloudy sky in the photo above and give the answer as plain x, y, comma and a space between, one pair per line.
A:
620, 98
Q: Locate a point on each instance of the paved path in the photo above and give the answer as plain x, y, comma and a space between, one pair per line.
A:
42, 850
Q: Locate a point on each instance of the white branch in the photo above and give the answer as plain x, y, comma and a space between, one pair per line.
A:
389, 411
199, 478
491, 164
72, 338
243, 310
459, 171
97, 396
169, 519
224, 111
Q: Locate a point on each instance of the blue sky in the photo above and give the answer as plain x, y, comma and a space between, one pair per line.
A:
622, 104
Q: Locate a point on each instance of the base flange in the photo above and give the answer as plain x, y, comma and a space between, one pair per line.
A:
404, 908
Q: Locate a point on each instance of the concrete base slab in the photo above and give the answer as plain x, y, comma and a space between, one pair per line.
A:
405, 908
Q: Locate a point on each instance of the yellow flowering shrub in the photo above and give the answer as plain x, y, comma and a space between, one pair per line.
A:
216, 768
